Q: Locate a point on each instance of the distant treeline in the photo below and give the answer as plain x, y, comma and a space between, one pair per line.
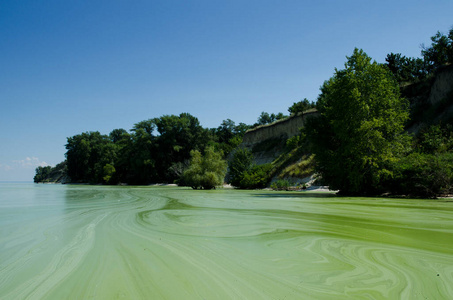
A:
359, 138
155, 150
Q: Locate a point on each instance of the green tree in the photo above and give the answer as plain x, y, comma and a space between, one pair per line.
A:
435, 139
140, 152
205, 171
423, 175
178, 135
87, 154
256, 178
406, 69
42, 173
440, 52
240, 163
266, 118
118, 135
301, 106
109, 172
122, 141
359, 131
228, 136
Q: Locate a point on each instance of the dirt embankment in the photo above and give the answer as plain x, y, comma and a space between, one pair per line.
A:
267, 142
282, 129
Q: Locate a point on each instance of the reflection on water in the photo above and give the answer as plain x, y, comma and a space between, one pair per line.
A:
95, 242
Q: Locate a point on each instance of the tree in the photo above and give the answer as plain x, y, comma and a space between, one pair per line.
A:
358, 132
140, 152
240, 163
205, 171
406, 69
228, 136
440, 52
266, 118
225, 131
42, 173
117, 135
87, 154
109, 173
301, 106
178, 135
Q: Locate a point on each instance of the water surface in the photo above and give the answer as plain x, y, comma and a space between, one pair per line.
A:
95, 242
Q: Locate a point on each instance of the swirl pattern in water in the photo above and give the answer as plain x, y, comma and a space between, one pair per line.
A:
94, 242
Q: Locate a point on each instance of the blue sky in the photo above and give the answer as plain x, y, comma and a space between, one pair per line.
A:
68, 67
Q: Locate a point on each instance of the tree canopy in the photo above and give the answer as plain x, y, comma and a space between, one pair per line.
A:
409, 69
359, 129
440, 52
155, 150
301, 106
205, 171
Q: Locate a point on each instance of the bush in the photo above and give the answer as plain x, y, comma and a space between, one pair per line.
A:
205, 172
423, 175
241, 162
256, 178
280, 185
109, 172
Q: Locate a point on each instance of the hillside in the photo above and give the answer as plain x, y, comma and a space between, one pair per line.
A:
431, 102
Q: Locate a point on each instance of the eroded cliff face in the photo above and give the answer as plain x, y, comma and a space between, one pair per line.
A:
282, 129
442, 86
267, 142
431, 101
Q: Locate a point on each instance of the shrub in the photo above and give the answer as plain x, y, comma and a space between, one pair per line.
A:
241, 162
109, 172
280, 185
256, 178
423, 175
206, 171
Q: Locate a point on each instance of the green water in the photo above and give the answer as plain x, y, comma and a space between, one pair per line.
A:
94, 242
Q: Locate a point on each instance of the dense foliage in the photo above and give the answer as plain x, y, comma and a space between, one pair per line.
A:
50, 174
244, 173
428, 169
406, 69
359, 131
155, 150
205, 171
240, 163
301, 106
266, 118
42, 173
358, 138
438, 54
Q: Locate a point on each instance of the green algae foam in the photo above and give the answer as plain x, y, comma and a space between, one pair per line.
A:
97, 242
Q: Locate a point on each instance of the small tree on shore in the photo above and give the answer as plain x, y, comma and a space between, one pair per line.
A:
205, 171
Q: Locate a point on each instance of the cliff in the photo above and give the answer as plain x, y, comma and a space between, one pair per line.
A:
442, 86
282, 129
431, 100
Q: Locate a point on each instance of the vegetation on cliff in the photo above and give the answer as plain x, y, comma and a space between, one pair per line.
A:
51, 174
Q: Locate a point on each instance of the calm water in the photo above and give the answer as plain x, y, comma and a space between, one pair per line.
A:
94, 242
